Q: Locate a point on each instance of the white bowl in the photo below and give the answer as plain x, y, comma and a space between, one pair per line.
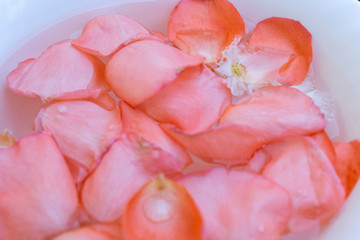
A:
28, 27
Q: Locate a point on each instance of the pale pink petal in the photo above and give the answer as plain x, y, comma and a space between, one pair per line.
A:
130, 163
82, 130
347, 163
105, 34
239, 204
162, 210
205, 28
281, 49
137, 71
108, 231
193, 102
38, 197
229, 145
137, 122
276, 112
303, 169
61, 71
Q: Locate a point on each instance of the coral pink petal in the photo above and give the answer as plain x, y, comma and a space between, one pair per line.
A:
38, 197
108, 231
193, 102
276, 112
82, 130
205, 28
130, 163
239, 204
303, 169
137, 122
347, 163
61, 71
229, 145
162, 210
325, 143
142, 68
105, 34
279, 37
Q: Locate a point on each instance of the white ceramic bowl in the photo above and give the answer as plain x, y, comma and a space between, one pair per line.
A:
27, 27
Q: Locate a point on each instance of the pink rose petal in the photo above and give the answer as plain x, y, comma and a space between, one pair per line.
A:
108, 231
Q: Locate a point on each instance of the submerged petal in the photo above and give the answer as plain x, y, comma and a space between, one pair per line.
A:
303, 169
162, 210
205, 28
82, 130
130, 162
105, 34
238, 204
193, 102
62, 72
142, 68
38, 197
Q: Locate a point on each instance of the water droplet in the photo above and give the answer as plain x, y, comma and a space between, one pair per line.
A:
158, 209
62, 109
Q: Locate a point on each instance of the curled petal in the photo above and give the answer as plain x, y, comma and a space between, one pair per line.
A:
161, 210
193, 102
137, 122
139, 70
303, 169
325, 143
276, 112
239, 204
205, 28
347, 163
82, 130
228, 145
287, 43
38, 197
105, 34
130, 162
105, 231
61, 72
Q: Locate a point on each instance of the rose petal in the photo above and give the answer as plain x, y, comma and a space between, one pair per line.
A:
142, 68
61, 71
227, 145
302, 168
325, 143
105, 34
238, 204
130, 162
205, 28
162, 210
137, 122
193, 102
347, 163
38, 197
109, 231
82, 130
276, 112
284, 41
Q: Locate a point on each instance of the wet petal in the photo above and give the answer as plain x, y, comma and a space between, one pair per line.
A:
239, 204
82, 130
281, 49
205, 28
105, 34
6, 140
108, 231
228, 145
37, 194
130, 162
303, 169
347, 163
193, 102
137, 122
276, 112
162, 210
142, 68
61, 71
